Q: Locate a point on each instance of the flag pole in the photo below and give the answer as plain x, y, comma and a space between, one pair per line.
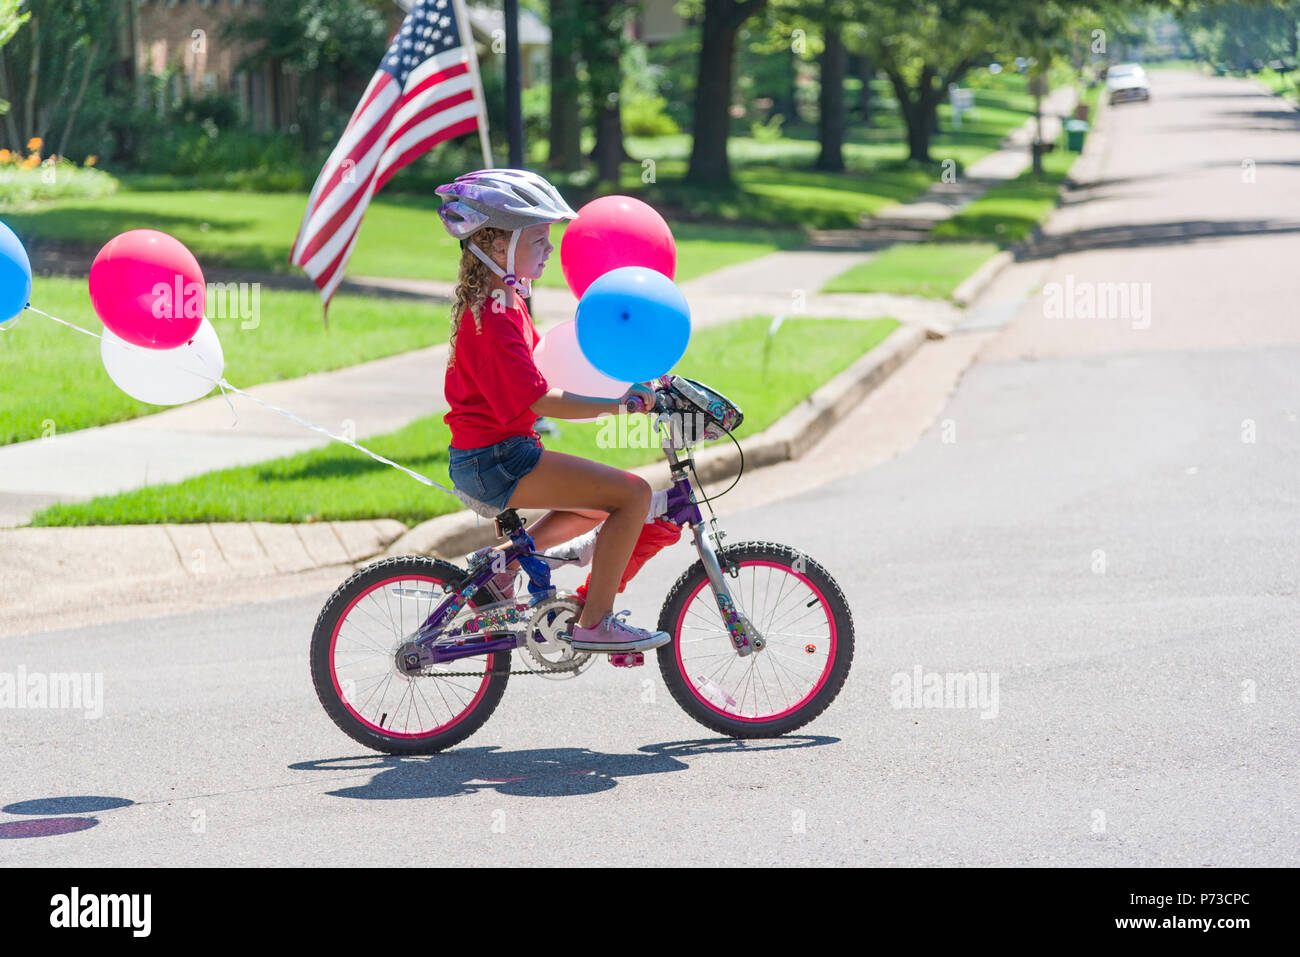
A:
514, 108
467, 35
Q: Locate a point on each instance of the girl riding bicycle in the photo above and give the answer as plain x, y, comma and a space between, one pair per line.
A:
496, 394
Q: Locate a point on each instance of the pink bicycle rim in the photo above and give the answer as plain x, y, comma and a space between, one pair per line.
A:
362, 718
821, 681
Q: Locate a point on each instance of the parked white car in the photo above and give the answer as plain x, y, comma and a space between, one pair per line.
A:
1127, 81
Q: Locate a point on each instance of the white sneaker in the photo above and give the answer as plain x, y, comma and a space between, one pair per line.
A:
576, 551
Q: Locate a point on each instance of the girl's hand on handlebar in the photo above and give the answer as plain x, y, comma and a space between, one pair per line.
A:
638, 398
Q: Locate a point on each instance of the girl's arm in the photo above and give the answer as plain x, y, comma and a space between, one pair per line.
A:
559, 404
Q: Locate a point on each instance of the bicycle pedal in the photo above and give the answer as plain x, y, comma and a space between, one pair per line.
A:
626, 659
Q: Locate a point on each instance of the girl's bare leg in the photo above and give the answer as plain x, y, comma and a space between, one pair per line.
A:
568, 483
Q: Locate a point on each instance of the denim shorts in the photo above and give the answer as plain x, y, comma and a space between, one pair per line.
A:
484, 479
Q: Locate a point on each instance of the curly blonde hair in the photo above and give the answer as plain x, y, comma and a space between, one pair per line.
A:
472, 284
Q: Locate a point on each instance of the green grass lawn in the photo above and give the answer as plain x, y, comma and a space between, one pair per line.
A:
1004, 215
918, 269
765, 378
1008, 212
50, 372
1285, 85
774, 182
401, 236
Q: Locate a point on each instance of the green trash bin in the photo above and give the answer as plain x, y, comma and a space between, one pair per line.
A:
1075, 130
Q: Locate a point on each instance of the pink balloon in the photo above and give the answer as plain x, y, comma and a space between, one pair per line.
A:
148, 289
615, 231
563, 365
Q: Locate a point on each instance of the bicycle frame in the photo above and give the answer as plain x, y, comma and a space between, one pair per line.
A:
437, 649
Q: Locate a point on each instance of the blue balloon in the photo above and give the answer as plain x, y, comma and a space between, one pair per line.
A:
633, 324
15, 275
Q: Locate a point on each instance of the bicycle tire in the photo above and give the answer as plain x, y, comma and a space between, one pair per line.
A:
329, 622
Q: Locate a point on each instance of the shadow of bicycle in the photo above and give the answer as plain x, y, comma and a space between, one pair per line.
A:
540, 772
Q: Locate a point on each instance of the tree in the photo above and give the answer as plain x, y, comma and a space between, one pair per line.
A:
711, 124
10, 21
829, 18
52, 63
602, 47
566, 117
333, 46
922, 48
830, 120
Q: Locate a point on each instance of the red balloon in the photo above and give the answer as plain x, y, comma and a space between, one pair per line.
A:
148, 289
612, 232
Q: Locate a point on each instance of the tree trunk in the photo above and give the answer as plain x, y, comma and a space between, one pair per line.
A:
914, 109
1036, 149
33, 79
711, 120
712, 116
11, 126
604, 47
830, 121
608, 151
566, 122
864, 95
274, 68
81, 94
789, 106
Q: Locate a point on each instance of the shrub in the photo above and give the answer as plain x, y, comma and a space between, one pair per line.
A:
55, 178
769, 132
647, 115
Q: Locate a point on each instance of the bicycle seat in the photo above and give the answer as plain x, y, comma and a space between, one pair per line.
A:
508, 522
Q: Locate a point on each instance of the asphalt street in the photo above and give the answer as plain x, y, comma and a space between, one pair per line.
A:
1101, 521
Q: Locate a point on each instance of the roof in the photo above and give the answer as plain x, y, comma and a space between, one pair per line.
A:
532, 31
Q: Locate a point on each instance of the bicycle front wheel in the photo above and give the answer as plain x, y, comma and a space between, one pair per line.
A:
806, 625
353, 649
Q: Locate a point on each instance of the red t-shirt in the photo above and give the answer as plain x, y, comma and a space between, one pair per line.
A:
494, 379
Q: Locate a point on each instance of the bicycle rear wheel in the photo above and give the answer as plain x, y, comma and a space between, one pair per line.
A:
804, 619
353, 649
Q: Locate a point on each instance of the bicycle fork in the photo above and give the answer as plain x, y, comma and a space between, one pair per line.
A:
744, 636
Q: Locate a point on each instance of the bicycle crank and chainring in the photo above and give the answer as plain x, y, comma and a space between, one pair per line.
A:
552, 622
544, 651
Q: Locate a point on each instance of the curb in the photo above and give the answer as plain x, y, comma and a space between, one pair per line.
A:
981, 278
1093, 148
192, 552
452, 536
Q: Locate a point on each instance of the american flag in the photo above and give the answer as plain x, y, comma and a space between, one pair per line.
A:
425, 91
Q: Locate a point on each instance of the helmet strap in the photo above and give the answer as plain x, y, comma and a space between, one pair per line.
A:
507, 276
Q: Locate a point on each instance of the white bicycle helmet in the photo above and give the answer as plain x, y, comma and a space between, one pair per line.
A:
506, 199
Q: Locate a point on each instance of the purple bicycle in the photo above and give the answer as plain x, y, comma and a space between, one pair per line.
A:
411, 655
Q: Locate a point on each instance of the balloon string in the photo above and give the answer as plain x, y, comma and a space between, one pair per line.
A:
70, 325
338, 438
223, 385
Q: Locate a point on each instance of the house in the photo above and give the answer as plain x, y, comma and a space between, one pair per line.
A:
188, 35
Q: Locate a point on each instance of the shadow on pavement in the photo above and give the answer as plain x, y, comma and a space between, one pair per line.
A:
1133, 235
41, 825
541, 772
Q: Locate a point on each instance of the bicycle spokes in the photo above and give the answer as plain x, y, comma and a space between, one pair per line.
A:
368, 670
798, 631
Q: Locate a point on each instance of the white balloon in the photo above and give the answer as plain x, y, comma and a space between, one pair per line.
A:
563, 365
165, 376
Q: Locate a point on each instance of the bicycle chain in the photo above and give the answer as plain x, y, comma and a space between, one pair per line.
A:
480, 674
